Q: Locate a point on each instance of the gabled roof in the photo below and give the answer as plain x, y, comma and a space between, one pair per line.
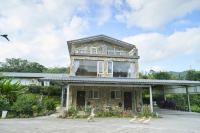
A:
102, 38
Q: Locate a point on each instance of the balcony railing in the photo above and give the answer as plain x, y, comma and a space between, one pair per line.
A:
108, 52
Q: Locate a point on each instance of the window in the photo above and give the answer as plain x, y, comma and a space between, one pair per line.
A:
122, 69
115, 94
85, 67
93, 94
93, 50
46, 83
100, 67
110, 67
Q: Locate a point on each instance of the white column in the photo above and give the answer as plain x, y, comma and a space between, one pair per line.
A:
62, 97
188, 99
67, 100
151, 98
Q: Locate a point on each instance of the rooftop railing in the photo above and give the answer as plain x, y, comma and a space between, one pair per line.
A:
108, 52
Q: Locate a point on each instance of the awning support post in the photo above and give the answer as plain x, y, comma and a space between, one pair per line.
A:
62, 97
188, 99
151, 99
67, 100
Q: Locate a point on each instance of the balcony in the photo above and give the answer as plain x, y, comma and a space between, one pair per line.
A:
112, 53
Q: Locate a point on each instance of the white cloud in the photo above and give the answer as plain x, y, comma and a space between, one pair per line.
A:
155, 13
156, 47
39, 30
105, 12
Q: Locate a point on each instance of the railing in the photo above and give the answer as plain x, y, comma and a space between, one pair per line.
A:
108, 52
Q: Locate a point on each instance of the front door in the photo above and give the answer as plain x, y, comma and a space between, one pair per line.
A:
127, 101
80, 99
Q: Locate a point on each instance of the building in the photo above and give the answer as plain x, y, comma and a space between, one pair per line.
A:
30, 78
104, 74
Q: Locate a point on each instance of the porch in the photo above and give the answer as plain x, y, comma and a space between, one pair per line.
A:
102, 96
83, 91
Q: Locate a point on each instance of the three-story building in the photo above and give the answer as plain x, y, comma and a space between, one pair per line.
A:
103, 57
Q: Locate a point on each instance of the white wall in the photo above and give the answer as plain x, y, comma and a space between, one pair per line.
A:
26, 81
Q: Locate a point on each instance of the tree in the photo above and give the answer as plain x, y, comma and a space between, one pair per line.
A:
57, 70
162, 75
193, 75
20, 65
11, 90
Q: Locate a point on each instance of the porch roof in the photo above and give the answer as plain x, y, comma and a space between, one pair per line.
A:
120, 81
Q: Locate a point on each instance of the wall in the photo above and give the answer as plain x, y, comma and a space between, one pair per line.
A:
105, 96
103, 46
26, 81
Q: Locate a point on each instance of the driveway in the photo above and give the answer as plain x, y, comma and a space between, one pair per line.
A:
171, 122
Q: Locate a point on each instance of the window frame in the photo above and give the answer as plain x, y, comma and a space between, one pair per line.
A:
98, 66
91, 50
111, 67
115, 92
93, 91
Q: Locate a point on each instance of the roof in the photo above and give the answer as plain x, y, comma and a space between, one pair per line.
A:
32, 75
122, 81
104, 38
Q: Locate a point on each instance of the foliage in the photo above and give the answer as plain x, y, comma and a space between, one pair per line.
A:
57, 70
30, 105
4, 103
195, 108
11, 90
27, 105
162, 75
20, 65
50, 103
193, 75
72, 112
146, 112
157, 75
99, 112
23, 65
45, 90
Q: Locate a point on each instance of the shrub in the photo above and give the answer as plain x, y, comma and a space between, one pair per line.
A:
45, 90
72, 112
27, 105
195, 108
4, 103
112, 112
11, 90
50, 104
146, 112
30, 105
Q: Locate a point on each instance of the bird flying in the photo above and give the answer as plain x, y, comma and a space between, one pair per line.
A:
6, 37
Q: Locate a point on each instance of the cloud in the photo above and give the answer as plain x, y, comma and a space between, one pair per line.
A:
105, 12
156, 47
39, 29
149, 14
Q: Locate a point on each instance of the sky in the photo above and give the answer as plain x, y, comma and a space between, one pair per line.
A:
166, 32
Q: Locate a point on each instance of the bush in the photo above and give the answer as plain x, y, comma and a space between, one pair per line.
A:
72, 112
50, 104
30, 105
146, 112
4, 103
195, 108
45, 90
11, 90
27, 105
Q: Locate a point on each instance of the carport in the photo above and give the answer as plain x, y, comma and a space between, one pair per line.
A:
149, 84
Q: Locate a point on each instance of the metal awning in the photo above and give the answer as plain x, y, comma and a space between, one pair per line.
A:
120, 81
